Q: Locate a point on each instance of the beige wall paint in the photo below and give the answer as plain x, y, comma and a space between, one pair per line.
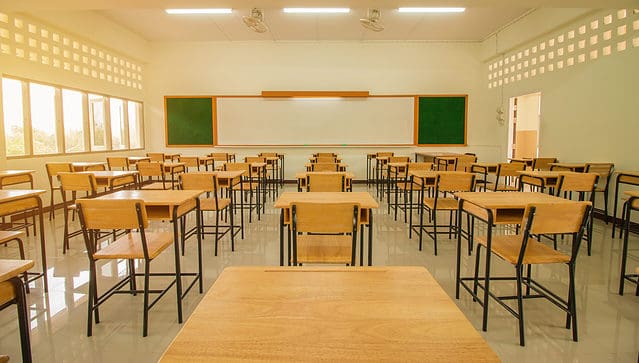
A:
247, 68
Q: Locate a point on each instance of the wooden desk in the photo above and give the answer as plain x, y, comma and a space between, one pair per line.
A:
627, 178
527, 161
301, 178
340, 166
171, 157
205, 161
171, 205
136, 159
385, 314
113, 178
14, 201
631, 204
365, 200
85, 166
576, 167
492, 208
540, 178
13, 177
12, 290
431, 156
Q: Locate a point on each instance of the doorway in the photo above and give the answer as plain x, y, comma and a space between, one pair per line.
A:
523, 130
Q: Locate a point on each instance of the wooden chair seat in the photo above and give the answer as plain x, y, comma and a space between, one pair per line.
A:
129, 246
155, 186
442, 203
208, 204
508, 247
315, 248
6, 236
7, 293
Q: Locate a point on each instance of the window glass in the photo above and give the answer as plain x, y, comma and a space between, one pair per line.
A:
135, 124
13, 116
97, 122
73, 115
43, 119
118, 128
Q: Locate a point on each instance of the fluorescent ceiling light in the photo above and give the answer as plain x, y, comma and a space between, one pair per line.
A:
199, 11
317, 10
431, 10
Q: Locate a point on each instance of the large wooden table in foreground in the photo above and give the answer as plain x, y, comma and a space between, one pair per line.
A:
297, 314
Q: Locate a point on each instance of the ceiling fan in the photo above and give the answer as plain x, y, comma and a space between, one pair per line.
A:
372, 20
256, 21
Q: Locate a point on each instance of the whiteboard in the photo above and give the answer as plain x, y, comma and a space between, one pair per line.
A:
315, 121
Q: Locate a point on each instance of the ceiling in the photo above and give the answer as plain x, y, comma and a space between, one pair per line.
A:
148, 19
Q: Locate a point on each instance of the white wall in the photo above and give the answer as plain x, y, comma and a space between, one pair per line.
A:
247, 68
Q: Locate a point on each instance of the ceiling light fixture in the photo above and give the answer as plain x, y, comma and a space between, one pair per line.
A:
317, 10
431, 10
256, 21
372, 20
198, 11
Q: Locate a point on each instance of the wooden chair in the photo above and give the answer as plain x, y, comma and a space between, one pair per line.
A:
120, 162
632, 204
274, 166
12, 293
7, 237
507, 177
392, 177
445, 183
52, 172
324, 232
406, 186
249, 188
324, 159
70, 185
137, 244
157, 157
380, 165
220, 157
605, 172
465, 162
522, 251
325, 182
542, 163
154, 172
213, 202
325, 167
584, 185
190, 162
330, 155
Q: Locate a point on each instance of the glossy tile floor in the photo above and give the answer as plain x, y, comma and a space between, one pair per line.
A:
608, 323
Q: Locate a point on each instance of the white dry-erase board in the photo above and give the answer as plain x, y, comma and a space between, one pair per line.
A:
315, 121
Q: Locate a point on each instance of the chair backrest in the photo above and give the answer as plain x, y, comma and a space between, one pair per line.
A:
399, 159
112, 213
324, 159
77, 182
325, 182
199, 181
324, 167
118, 162
246, 167
150, 169
455, 182
510, 169
190, 161
325, 217
542, 163
385, 154
54, 168
219, 156
330, 155
421, 165
464, 162
267, 155
604, 170
577, 182
255, 159
555, 218
159, 157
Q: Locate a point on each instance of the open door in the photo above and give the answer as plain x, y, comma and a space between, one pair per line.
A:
523, 130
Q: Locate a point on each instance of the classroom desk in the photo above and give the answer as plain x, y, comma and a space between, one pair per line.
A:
393, 169
492, 208
340, 166
431, 156
205, 161
13, 177
527, 161
627, 178
174, 168
445, 161
170, 205
136, 159
369, 167
172, 157
301, 178
86, 166
366, 202
14, 201
113, 178
385, 314
12, 289
576, 167
540, 178
631, 204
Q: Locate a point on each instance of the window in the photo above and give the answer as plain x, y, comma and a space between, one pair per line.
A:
135, 124
97, 121
73, 115
43, 118
118, 125
12, 104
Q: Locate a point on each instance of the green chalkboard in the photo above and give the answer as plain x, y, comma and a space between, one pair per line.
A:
442, 120
189, 121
